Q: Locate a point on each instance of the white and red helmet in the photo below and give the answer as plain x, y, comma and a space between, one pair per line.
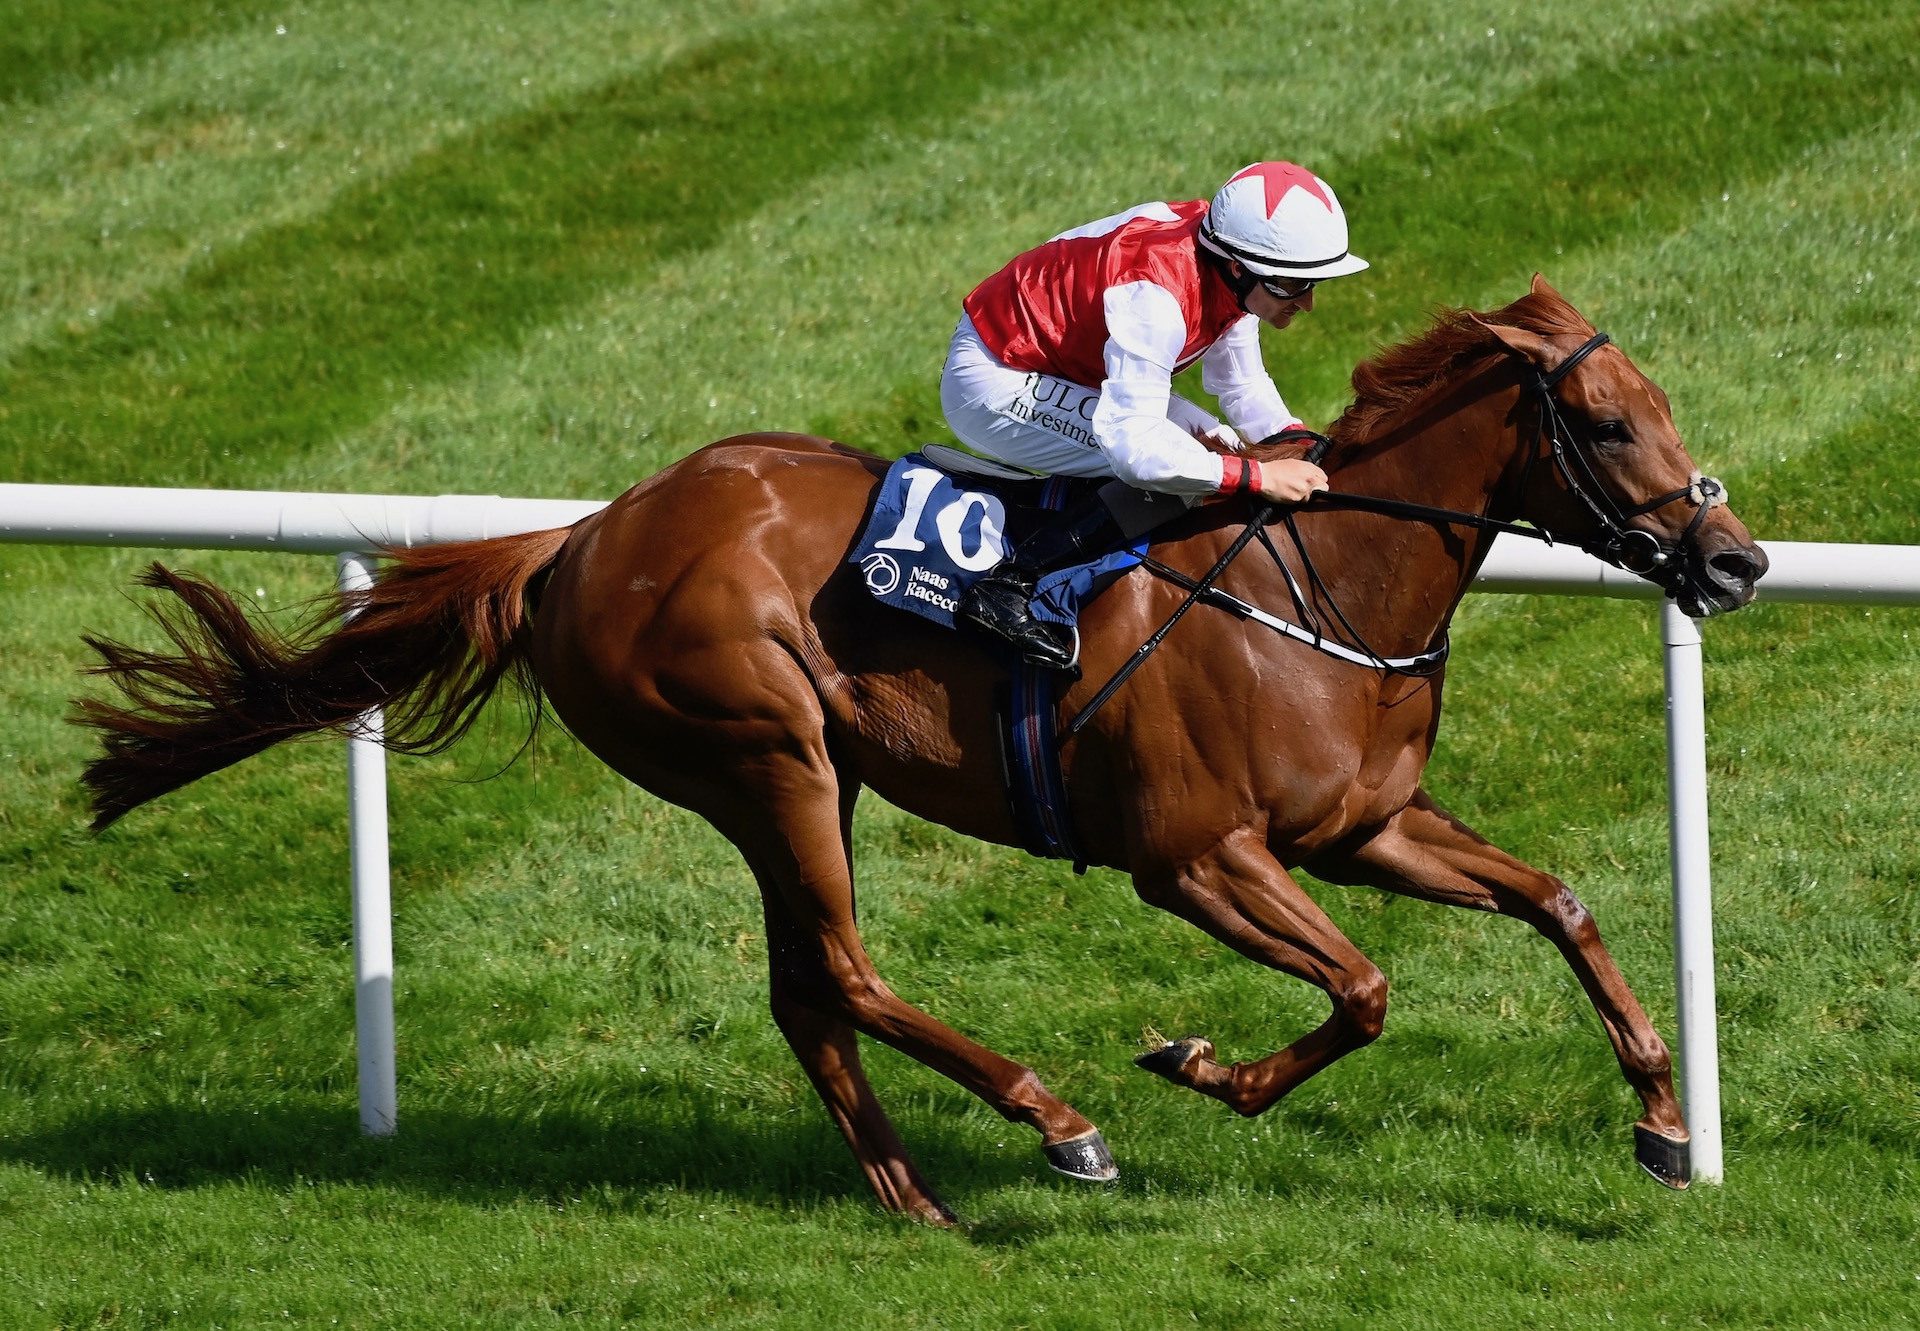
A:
1280, 220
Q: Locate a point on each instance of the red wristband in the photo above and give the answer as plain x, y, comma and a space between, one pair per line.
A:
1239, 475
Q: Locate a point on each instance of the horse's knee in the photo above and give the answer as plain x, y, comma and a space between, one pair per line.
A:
1568, 917
1363, 1004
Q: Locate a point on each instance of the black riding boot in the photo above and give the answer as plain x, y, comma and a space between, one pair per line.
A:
1002, 601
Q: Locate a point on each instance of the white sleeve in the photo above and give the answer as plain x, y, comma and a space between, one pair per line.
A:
1233, 371
1145, 332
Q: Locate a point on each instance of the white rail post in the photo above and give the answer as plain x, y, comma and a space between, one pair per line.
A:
372, 903
1692, 889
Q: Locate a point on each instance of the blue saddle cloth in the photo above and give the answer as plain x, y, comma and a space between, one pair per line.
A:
931, 536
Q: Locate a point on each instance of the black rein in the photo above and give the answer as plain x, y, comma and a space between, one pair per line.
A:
1633, 549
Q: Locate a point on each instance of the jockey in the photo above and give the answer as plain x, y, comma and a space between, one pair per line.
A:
1064, 359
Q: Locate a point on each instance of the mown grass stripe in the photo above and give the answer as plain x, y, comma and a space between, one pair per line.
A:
1736, 99
118, 186
307, 330
46, 45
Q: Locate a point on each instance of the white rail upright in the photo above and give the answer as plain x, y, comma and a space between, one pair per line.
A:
331, 523
1692, 889
373, 1022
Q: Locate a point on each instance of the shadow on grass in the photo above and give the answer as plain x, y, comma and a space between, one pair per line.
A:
1532, 1135
788, 1158
623, 1160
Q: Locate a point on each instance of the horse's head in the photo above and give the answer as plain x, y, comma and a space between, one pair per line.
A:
1606, 469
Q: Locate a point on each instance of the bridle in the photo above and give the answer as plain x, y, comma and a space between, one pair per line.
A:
1634, 549
1625, 546
1621, 544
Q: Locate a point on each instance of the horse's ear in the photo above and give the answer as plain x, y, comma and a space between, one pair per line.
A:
1527, 345
1541, 287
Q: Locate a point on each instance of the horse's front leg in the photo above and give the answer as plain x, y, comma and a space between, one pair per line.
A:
1424, 851
1245, 898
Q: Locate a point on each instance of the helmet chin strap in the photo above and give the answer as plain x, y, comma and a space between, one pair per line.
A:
1241, 286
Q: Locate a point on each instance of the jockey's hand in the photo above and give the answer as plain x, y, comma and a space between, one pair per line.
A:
1290, 480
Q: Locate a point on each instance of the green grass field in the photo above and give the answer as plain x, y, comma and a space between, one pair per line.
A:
546, 249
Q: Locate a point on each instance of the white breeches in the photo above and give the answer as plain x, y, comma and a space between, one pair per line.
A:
1032, 420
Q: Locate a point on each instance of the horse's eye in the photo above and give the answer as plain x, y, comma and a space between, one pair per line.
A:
1610, 432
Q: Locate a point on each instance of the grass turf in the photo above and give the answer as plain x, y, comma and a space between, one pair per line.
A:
545, 250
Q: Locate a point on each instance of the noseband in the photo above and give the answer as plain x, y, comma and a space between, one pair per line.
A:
1621, 544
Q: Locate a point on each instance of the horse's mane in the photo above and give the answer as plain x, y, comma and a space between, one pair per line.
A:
1388, 384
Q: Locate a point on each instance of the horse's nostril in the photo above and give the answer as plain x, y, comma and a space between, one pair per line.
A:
1735, 568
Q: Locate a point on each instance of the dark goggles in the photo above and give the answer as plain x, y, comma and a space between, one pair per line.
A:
1298, 288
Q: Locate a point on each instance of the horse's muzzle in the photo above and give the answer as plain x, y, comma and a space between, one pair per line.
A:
1718, 574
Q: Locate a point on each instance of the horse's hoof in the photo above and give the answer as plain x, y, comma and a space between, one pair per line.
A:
1084, 1157
1170, 1060
1669, 1161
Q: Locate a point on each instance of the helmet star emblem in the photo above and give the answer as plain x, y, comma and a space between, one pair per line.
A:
1276, 178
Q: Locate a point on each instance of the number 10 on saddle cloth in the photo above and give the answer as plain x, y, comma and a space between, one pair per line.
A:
930, 538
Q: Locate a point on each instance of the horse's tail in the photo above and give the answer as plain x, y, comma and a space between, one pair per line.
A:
429, 641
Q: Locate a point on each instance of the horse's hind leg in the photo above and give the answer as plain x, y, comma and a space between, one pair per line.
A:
828, 1049
1423, 851
793, 834
1245, 898
829, 1052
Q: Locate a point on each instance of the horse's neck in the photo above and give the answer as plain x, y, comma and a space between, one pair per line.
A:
1397, 581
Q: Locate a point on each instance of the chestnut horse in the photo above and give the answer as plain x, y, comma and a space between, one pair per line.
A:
704, 636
